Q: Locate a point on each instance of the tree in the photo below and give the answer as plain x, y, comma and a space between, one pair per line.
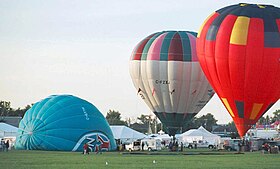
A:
207, 121
276, 116
114, 118
261, 121
5, 108
144, 119
150, 121
267, 120
234, 134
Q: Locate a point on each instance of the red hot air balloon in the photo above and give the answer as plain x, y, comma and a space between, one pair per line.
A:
239, 51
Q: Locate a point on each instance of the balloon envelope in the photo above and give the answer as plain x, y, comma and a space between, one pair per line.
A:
64, 122
166, 74
238, 48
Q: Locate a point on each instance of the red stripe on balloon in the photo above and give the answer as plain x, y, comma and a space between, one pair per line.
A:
175, 51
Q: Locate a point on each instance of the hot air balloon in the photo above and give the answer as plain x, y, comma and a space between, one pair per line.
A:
166, 74
66, 123
239, 51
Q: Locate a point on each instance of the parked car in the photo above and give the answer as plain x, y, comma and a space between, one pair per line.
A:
231, 144
201, 144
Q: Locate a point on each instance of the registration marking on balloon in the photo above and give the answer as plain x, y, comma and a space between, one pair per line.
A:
162, 82
85, 113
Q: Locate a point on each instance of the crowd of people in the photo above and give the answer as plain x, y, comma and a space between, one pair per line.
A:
174, 146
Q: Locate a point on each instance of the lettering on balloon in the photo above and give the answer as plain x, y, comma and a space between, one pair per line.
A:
142, 96
85, 113
162, 82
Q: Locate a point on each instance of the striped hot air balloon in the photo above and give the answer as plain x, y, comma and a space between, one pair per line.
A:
239, 51
166, 73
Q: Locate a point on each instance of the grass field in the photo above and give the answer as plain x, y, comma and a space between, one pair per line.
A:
203, 159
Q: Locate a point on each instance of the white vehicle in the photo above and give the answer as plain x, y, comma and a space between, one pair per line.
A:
134, 146
201, 144
151, 144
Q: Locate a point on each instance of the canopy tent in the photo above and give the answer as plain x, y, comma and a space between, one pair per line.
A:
7, 130
126, 134
199, 134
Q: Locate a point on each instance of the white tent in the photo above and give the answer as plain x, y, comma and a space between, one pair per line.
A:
199, 134
126, 134
7, 131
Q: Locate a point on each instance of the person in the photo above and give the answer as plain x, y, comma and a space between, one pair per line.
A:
239, 146
143, 144
7, 145
170, 146
3, 145
182, 146
86, 149
266, 147
98, 145
195, 145
176, 146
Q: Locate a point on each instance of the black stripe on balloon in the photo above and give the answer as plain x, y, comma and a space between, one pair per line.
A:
240, 108
174, 119
271, 32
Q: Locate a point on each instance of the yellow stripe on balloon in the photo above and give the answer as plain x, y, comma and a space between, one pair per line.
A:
255, 110
243, 4
200, 29
228, 107
261, 6
240, 31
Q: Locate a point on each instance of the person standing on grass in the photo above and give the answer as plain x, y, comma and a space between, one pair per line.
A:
7, 145
86, 149
98, 145
3, 145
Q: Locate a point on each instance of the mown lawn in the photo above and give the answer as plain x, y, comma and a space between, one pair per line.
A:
16, 159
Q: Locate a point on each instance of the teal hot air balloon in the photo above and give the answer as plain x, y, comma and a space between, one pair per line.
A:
65, 123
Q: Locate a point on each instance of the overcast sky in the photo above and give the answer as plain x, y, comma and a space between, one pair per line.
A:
82, 47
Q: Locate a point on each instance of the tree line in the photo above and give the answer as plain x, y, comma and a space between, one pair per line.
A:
7, 110
143, 123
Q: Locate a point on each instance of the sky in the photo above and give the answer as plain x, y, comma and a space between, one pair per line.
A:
82, 47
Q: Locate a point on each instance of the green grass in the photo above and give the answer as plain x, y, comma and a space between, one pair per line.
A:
203, 159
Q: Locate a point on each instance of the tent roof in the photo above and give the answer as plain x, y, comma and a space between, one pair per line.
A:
7, 128
123, 132
201, 131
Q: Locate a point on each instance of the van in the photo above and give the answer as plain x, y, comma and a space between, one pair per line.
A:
134, 146
151, 144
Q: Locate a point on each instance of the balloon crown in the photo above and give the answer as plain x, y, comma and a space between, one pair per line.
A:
256, 5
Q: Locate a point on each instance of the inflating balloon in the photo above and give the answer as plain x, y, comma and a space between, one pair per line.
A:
166, 74
239, 51
64, 122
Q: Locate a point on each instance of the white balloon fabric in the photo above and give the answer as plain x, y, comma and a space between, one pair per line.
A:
167, 75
